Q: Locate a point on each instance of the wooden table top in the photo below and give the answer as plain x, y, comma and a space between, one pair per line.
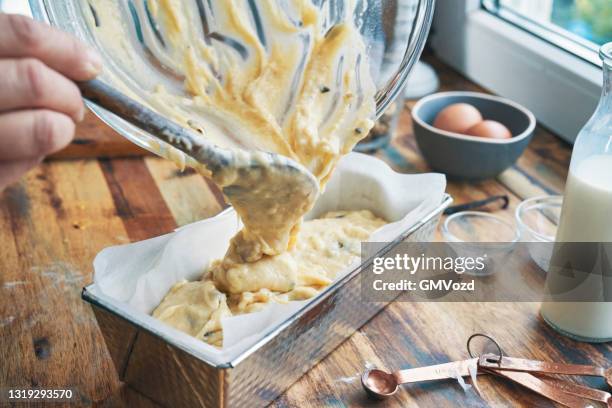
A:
62, 213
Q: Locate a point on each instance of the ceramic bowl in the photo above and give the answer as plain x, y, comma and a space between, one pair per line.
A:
470, 157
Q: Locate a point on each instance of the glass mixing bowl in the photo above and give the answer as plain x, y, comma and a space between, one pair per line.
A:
394, 33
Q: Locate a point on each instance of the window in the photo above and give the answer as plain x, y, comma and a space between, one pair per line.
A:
577, 26
539, 53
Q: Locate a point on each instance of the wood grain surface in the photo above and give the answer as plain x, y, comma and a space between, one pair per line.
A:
93, 140
54, 221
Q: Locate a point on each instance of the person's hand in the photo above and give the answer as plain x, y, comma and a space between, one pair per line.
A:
39, 102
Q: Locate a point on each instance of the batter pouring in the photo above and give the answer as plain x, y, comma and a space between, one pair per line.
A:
324, 247
284, 76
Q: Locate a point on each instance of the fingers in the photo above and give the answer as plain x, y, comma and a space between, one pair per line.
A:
38, 98
11, 171
32, 134
28, 83
23, 37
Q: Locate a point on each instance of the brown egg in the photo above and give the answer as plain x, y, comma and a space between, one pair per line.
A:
490, 129
457, 118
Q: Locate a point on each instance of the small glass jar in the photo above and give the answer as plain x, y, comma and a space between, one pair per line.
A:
538, 219
469, 232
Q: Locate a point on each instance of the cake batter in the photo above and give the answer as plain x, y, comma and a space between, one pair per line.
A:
283, 76
324, 247
280, 76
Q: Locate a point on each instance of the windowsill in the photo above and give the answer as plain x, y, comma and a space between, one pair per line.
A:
561, 89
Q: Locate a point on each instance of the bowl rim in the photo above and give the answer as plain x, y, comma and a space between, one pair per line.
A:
518, 214
526, 133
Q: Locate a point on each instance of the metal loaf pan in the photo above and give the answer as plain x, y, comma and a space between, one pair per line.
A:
174, 376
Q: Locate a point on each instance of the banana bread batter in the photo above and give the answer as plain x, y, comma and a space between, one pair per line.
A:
324, 247
284, 76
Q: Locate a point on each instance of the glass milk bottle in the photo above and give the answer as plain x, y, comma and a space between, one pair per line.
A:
587, 217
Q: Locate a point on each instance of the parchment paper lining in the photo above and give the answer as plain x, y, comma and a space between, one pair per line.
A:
135, 277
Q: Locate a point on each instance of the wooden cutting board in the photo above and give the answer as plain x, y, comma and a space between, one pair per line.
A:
94, 138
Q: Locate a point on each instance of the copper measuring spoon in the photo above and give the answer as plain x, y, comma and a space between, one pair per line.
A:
543, 367
562, 392
519, 370
381, 384
581, 391
508, 367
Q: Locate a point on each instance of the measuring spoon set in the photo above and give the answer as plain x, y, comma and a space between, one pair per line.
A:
532, 374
